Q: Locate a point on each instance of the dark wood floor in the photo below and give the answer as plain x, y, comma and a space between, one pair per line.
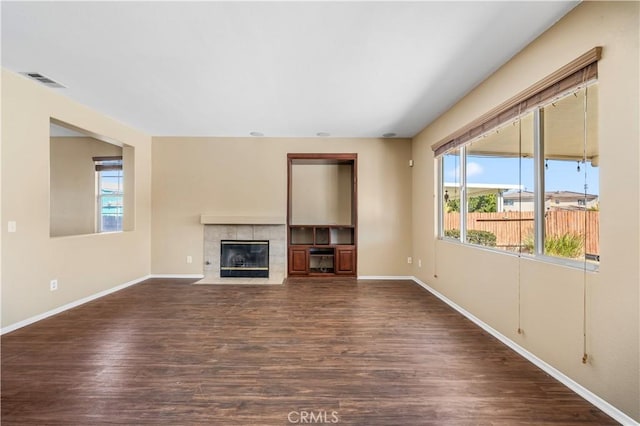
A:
366, 353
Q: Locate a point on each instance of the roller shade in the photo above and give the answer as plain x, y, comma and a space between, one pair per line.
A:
108, 163
576, 73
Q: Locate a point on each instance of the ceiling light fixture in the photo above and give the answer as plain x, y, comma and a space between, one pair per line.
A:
256, 134
389, 135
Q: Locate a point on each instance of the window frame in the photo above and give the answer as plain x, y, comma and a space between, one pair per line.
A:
538, 190
108, 165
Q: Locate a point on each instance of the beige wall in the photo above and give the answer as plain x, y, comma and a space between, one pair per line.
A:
30, 257
248, 177
73, 183
551, 297
396, 205
321, 194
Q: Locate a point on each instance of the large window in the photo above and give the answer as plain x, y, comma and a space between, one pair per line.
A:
529, 185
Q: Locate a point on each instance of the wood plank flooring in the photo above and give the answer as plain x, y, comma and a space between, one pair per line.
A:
345, 351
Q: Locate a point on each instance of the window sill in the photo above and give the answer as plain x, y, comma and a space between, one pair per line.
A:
569, 263
92, 234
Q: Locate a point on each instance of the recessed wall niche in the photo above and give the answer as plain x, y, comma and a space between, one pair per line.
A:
321, 192
91, 182
322, 214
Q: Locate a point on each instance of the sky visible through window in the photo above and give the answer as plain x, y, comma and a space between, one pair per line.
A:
559, 176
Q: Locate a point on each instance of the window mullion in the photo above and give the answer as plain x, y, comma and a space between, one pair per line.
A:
539, 191
463, 194
440, 194
98, 215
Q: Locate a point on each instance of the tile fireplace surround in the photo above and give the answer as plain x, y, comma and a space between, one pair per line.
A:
223, 230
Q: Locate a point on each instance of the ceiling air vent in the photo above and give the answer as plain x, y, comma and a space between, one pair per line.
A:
43, 79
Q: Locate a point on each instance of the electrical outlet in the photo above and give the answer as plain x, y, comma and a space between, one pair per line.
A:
409, 260
189, 259
11, 226
53, 285
419, 263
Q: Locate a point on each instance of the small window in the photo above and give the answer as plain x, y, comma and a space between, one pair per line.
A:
109, 193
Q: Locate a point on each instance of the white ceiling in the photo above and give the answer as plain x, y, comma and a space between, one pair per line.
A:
352, 69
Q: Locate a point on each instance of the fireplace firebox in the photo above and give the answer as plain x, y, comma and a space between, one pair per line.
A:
249, 259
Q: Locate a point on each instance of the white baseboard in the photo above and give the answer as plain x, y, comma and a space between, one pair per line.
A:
194, 276
585, 393
385, 277
71, 305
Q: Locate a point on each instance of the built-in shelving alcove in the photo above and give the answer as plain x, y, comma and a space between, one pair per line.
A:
322, 214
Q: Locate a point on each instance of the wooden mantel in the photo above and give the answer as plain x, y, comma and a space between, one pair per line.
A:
210, 219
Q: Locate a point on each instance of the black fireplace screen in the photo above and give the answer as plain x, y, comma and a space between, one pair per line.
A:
244, 259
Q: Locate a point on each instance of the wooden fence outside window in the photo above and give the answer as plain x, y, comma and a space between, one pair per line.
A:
510, 227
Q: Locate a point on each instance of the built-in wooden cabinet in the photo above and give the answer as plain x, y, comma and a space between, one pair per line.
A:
298, 261
345, 260
322, 249
322, 214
